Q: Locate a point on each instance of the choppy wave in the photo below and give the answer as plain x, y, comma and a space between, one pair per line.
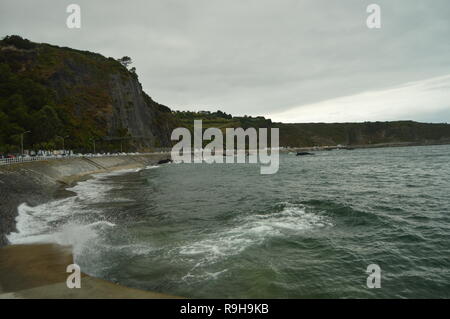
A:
250, 231
65, 221
308, 231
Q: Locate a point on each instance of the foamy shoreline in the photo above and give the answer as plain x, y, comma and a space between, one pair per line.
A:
35, 183
38, 270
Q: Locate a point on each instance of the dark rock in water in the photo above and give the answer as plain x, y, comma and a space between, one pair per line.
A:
304, 153
165, 161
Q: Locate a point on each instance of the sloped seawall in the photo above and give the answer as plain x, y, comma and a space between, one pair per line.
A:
38, 182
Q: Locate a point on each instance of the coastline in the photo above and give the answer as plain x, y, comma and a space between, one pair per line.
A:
35, 183
39, 270
368, 146
39, 274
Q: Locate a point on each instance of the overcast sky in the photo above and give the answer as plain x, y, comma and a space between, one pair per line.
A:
291, 60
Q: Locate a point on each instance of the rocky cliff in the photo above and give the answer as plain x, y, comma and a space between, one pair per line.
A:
86, 94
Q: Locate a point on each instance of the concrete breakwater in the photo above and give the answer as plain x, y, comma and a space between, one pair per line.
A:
38, 182
39, 271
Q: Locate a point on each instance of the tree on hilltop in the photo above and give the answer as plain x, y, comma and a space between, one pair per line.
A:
125, 61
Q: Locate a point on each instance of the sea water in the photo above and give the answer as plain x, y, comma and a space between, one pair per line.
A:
226, 231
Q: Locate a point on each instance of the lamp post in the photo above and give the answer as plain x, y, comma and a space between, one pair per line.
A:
93, 141
21, 141
63, 138
121, 142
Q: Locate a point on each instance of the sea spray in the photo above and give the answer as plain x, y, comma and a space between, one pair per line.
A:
65, 221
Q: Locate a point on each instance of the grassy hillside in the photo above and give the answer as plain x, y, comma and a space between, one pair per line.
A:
327, 134
323, 134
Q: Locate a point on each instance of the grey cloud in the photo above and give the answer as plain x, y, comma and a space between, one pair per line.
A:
255, 56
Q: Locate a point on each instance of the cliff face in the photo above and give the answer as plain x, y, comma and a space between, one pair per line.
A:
93, 96
133, 109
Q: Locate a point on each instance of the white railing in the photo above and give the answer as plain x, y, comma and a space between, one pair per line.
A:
8, 161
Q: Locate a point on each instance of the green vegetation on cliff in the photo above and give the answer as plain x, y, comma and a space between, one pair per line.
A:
327, 134
56, 92
367, 133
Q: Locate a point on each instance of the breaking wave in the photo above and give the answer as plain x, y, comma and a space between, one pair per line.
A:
254, 229
248, 232
67, 221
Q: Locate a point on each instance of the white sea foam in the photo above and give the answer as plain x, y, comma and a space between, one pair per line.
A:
151, 166
192, 277
133, 249
249, 231
253, 230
